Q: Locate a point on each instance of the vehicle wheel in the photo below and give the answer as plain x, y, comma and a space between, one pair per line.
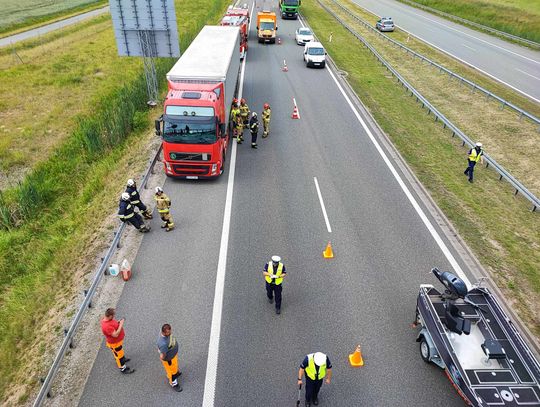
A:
222, 170
424, 351
323, 65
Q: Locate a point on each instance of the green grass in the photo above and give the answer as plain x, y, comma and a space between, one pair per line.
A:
498, 227
20, 15
517, 17
58, 210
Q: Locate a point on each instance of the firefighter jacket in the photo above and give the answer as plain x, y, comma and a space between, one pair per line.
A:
134, 196
266, 114
244, 110
253, 125
125, 210
163, 203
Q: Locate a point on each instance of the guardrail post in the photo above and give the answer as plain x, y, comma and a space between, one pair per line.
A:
85, 294
533, 208
515, 193
70, 341
49, 394
502, 104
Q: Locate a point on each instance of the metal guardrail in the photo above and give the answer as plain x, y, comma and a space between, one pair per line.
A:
473, 24
519, 188
44, 392
474, 86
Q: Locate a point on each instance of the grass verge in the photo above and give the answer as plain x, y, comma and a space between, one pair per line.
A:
498, 227
62, 209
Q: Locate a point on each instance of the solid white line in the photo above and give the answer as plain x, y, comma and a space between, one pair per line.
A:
322, 205
455, 265
295, 105
217, 311
466, 46
526, 73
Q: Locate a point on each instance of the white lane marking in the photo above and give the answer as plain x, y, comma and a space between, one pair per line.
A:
466, 46
217, 311
322, 205
528, 74
449, 256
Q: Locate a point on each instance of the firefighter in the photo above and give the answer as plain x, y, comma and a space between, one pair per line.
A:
239, 129
254, 129
266, 114
135, 199
127, 214
244, 111
235, 113
163, 206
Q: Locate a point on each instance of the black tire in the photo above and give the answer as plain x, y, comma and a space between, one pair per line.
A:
424, 350
323, 65
223, 163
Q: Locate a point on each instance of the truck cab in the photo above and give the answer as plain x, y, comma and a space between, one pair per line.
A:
289, 8
238, 17
266, 26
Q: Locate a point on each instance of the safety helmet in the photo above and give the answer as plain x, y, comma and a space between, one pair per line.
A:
266, 106
254, 114
478, 145
235, 100
130, 182
125, 196
276, 259
242, 100
159, 190
319, 358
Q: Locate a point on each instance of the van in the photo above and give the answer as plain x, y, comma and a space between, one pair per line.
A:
315, 55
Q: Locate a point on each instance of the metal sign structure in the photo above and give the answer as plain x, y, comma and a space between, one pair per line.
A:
147, 29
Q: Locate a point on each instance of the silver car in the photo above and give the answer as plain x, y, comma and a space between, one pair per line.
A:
385, 24
303, 35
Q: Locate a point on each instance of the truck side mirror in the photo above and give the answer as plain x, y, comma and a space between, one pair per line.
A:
257, 27
157, 124
276, 27
222, 129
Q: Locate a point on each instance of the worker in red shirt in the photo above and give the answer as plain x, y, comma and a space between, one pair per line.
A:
113, 331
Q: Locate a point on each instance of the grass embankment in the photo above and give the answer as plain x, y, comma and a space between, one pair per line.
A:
55, 223
498, 227
22, 15
517, 17
480, 119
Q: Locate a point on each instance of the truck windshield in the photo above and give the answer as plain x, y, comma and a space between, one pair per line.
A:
290, 2
315, 51
185, 131
267, 25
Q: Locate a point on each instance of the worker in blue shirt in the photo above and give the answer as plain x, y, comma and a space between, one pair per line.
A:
274, 272
315, 366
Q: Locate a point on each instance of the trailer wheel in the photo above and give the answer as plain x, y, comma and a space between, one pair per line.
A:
424, 351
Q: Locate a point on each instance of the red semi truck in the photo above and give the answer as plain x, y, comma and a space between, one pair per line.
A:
238, 17
195, 122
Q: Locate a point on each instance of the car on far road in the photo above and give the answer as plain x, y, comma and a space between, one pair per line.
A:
303, 35
314, 55
385, 24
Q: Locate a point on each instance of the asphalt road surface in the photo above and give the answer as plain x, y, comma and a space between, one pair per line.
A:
515, 66
44, 29
366, 294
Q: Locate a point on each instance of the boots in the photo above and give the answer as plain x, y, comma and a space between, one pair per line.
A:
147, 214
144, 229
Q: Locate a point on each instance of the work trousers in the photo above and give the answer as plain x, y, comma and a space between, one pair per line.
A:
142, 207
254, 137
245, 119
312, 388
136, 220
274, 290
167, 219
266, 126
470, 169
117, 350
171, 370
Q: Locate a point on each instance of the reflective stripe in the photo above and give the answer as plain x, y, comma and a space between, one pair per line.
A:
127, 216
270, 270
163, 210
474, 156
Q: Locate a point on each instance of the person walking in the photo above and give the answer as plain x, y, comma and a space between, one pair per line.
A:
254, 129
475, 154
274, 272
244, 111
163, 204
315, 366
113, 331
168, 353
126, 213
135, 199
266, 115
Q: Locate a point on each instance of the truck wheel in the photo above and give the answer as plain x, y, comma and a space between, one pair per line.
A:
424, 351
223, 164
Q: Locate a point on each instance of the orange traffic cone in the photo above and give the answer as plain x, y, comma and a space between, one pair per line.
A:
328, 253
285, 69
355, 359
295, 114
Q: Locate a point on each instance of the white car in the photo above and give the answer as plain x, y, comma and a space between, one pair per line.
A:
314, 55
303, 36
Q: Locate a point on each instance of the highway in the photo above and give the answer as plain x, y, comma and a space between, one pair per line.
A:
516, 66
366, 294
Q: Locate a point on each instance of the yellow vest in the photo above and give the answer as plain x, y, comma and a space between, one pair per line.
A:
278, 281
474, 156
311, 370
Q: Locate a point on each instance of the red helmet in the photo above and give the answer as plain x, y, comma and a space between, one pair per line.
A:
266, 106
235, 101
242, 100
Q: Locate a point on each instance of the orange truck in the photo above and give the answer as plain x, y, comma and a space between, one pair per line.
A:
266, 26
238, 17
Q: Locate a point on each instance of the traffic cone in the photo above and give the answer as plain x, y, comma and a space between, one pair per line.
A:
279, 41
355, 359
295, 114
285, 69
328, 253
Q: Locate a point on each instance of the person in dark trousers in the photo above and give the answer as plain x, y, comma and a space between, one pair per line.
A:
315, 366
475, 154
113, 331
168, 353
135, 199
254, 129
274, 272
126, 213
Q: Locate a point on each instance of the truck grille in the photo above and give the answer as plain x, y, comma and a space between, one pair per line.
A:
190, 156
189, 169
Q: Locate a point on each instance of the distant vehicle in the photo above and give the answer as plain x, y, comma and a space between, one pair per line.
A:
238, 17
314, 55
289, 8
266, 26
467, 333
385, 24
303, 35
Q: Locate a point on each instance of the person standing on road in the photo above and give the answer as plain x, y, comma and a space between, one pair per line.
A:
235, 112
475, 154
168, 353
135, 199
274, 272
163, 204
244, 111
266, 115
315, 366
254, 129
126, 213
113, 331
239, 129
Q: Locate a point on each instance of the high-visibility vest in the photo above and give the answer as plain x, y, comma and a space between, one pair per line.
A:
234, 113
475, 156
311, 370
270, 270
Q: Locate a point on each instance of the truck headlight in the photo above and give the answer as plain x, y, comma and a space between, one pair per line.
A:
214, 168
168, 166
